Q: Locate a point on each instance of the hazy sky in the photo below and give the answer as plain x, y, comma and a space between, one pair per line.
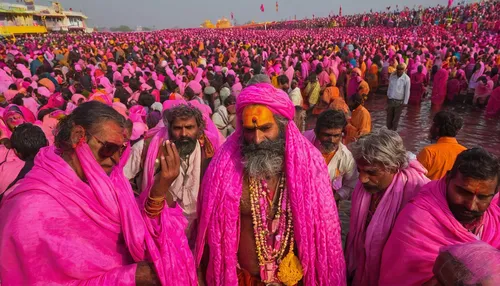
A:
191, 13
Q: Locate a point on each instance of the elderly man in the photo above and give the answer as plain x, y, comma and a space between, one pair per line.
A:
388, 179
197, 142
398, 95
75, 220
267, 199
327, 137
457, 209
439, 158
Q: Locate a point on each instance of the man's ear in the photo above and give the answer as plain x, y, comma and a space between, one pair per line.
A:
77, 135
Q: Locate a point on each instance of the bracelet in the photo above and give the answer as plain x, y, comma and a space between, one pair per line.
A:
155, 206
153, 213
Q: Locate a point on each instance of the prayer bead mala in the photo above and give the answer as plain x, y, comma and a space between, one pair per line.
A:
270, 254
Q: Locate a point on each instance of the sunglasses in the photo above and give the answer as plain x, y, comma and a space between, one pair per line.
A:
109, 149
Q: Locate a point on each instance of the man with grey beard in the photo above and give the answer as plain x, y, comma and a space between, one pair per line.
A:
327, 137
267, 206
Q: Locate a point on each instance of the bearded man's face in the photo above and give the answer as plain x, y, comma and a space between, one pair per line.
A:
263, 146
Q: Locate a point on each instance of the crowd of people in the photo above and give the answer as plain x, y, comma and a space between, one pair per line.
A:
181, 157
464, 16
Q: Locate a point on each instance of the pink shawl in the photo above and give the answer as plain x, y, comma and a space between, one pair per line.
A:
493, 106
424, 226
365, 244
439, 87
160, 134
52, 207
316, 223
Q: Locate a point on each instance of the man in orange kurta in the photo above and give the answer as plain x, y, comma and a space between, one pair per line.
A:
439, 158
360, 122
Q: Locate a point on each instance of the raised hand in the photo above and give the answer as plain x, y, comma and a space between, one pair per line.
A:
170, 163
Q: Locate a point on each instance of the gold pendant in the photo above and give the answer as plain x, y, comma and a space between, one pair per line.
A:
290, 270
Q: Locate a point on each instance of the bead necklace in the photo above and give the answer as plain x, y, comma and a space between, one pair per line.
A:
272, 235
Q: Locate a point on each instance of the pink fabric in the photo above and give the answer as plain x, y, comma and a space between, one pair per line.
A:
480, 259
113, 230
353, 86
417, 87
31, 104
10, 94
10, 167
195, 86
493, 107
422, 228
316, 223
121, 108
211, 129
44, 91
137, 113
439, 87
365, 244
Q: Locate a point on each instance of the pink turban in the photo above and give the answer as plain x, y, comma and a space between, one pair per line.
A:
137, 113
138, 130
121, 108
43, 91
310, 192
195, 86
76, 97
167, 104
10, 94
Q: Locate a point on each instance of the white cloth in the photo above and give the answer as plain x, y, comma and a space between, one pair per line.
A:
343, 161
222, 120
133, 166
296, 97
399, 87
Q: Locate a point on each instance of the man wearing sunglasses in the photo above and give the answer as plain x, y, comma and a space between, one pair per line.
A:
75, 220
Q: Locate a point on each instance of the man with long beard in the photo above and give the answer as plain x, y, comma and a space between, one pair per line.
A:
196, 143
267, 212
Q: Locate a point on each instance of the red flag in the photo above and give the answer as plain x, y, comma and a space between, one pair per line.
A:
276, 6
232, 16
262, 7
450, 2
340, 11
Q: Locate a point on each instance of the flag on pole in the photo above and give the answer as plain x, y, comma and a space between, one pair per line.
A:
276, 6
450, 2
232, 16
262, 7
340, 11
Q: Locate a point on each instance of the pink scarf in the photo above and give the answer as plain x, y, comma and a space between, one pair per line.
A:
439, 87
493, 106
365, 244
422, 228
112, 231
316, 222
